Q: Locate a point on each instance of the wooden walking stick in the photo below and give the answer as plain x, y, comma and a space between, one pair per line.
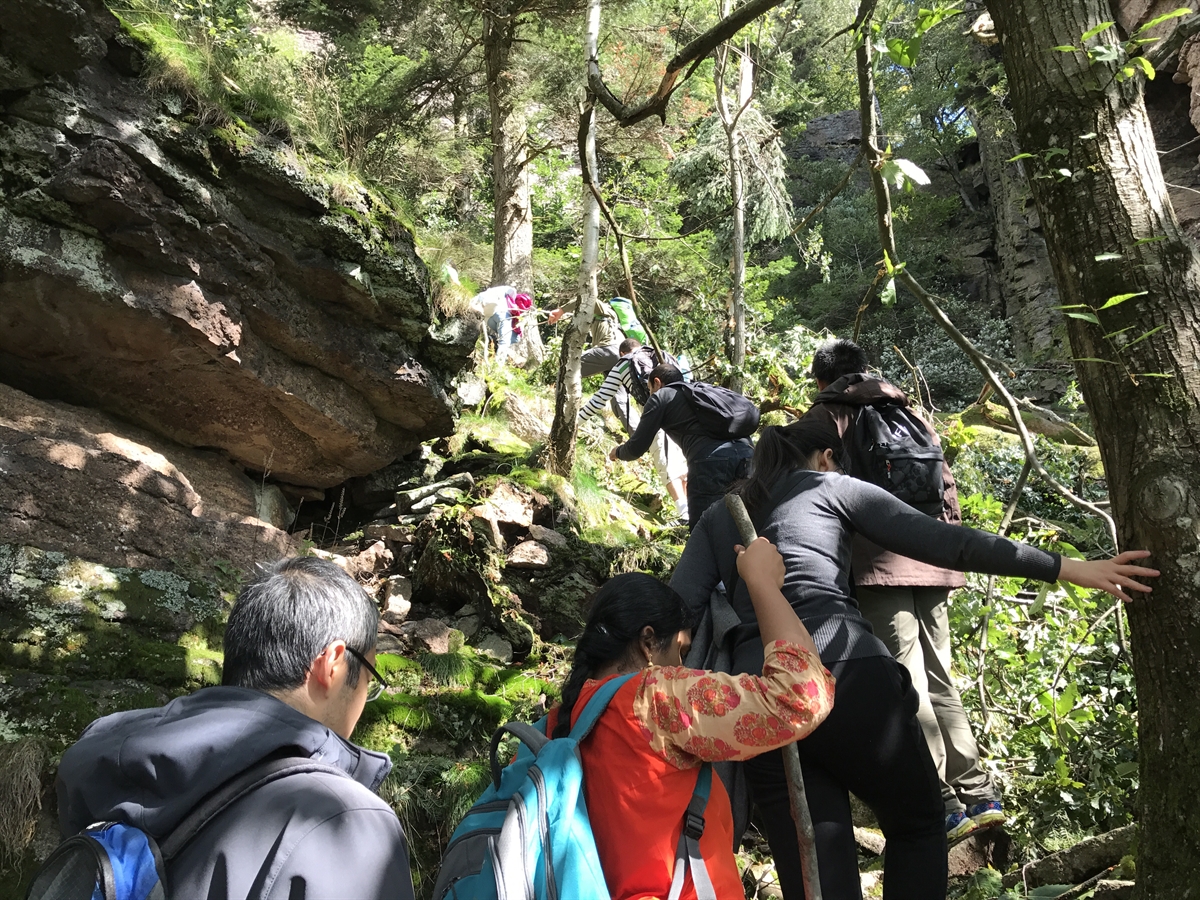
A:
801, 815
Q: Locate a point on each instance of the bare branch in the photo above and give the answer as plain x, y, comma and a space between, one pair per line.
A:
692, 54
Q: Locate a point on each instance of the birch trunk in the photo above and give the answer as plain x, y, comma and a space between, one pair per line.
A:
569, 388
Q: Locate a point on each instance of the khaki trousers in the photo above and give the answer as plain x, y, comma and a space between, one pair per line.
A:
913, 623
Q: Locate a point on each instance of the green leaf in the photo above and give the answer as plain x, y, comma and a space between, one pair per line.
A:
904, 52
1065, 173
1139, 339
1121, 298
1093, 359
1087, 317
1105, 53
1146, 66
1150, 240
912, 171
887, 264
1113, 334
1019, 156
1040, 600
1153, 375
1091, 135
887, 297
1052, 152
1074, 306
1106, 257
892, 172
1158, 20
1125, 769
1066, 48
1092, 32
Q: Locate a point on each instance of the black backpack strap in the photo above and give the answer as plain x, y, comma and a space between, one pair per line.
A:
232, 791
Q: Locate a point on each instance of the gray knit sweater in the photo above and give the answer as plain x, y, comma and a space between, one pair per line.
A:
816, 515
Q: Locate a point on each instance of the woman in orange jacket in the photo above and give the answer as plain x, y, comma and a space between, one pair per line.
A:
641, 760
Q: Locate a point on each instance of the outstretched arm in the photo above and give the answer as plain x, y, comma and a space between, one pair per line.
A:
896, 526
612, 383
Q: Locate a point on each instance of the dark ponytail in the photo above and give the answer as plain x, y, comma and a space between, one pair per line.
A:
782, 449
620, 610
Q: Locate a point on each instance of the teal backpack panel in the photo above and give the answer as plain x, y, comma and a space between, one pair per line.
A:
528, 837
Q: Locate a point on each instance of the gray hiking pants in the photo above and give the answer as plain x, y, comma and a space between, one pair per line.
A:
912, 621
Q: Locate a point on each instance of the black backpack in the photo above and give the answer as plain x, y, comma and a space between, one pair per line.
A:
722, 413
892, 448
641, 363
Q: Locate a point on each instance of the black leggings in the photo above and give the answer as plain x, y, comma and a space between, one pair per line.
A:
871, 745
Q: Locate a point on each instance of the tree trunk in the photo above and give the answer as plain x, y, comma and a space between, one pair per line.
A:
1106, 196
569, 389
737, 195
512, 241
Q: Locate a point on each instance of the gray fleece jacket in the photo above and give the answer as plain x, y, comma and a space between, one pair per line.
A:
309, 836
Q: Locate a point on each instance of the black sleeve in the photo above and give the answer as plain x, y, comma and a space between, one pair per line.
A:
643, 435
697, 573
896, 526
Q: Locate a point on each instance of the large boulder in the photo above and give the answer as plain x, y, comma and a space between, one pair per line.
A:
81, 482
203, 282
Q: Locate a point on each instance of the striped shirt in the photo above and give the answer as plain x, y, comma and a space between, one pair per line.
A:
618, 377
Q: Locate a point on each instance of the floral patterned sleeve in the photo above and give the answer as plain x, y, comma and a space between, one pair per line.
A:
691, 716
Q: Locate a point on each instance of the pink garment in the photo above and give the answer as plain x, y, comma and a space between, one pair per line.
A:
518, 305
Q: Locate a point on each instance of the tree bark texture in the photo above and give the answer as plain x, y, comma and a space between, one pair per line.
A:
1112, 200
568, 392
512, 241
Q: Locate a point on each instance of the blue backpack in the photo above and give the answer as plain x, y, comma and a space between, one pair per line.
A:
115, 861
529, 838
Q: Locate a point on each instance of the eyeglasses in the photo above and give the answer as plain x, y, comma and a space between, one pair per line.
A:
375, 691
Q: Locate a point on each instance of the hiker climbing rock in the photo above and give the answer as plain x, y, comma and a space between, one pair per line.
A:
905, 600
711, 424
504, 311
629, 379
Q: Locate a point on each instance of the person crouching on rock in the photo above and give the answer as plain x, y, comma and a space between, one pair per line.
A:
642, 758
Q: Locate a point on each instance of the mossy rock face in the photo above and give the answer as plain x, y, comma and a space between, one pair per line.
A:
79, 640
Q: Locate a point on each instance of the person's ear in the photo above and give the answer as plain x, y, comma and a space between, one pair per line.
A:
830, 463
324, 668
655, 385
646, 644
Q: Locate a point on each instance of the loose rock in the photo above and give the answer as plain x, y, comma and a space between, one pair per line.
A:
429, 635
529, 555
373, 561
547, 536
397, 599
495, 646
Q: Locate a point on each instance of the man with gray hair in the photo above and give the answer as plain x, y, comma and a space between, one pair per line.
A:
299, 655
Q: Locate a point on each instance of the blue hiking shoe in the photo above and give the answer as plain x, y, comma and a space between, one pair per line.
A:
987, 814
959, 824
